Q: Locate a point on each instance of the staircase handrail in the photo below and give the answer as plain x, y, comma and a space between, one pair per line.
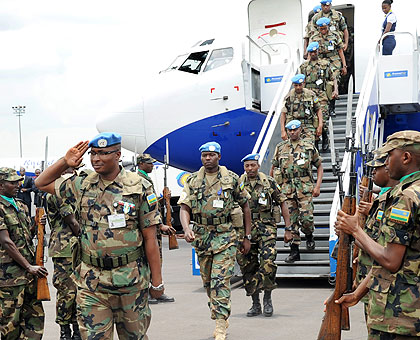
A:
253, 42
415, 41
272, 44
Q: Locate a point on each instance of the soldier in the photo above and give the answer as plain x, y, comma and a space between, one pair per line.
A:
302, 104
208, 200
292, 168
393, 281
258, 266
118, 218
318, 74
21, 314
145, 167
310, 29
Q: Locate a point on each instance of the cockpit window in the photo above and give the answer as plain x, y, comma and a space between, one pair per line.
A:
207, 42
194, 62
219, 58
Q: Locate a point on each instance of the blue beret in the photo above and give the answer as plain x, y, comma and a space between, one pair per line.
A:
251, 157
293, 124
210, 147
323, 22
326, 2
298, 79
317, 9
313, 46
105, 139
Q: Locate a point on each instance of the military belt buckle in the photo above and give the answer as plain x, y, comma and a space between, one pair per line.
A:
108, 262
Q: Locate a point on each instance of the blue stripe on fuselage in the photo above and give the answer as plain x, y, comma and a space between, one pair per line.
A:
236, 139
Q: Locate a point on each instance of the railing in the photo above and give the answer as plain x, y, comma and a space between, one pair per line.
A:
415, 41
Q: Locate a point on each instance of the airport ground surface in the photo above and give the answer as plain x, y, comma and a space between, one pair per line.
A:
298, 308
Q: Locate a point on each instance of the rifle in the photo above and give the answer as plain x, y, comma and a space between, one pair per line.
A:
42, 290
173, 242
336, 317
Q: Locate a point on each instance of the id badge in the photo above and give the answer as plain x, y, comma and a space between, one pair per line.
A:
300, 161
262, 201
332, 28
307, 111
217, 204
319, 82
330, 48
116, 221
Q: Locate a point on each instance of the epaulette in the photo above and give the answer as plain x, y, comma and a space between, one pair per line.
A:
233, 174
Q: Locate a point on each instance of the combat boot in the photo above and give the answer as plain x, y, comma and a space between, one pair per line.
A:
256, 306
325, 141
220, 331
65, 332
294, 254
331, 108
76, 332
310, 242
268, 304
152, 300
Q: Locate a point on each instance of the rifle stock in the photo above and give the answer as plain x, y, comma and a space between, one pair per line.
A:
42, 290
173, 242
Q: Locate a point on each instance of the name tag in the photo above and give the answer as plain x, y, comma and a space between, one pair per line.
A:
330, 48
217, 204
300, 161
262, 201
319, 82
116, 221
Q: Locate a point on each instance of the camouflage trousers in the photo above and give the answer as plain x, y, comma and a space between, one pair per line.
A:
66, 291
324, 104
21, 314
216, 271
379, 335
301, 212
126, 307
258, 267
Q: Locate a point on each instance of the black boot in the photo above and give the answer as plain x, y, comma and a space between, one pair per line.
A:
310, 242
317, 144
325, 141
152, 300
76, 332
294, 254
165, 298
65, 332
268, 304
332, 108
256, 305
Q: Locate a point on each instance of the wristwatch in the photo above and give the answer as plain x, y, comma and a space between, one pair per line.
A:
289, 228
158, 288
249, 237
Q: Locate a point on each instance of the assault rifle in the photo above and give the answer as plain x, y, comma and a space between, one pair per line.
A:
42, 291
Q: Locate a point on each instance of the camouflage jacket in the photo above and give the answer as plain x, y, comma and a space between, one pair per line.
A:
317, 74
96, 200
329, 45
293, 162
394, 298
337, 23
18, 224
212, 200
303, 107
62, 236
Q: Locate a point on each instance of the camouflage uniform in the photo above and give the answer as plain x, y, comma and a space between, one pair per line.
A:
293, 163
303, 107
394, 298
337, 23
59, 249
215, 237
21, 314
113, 277
258, 266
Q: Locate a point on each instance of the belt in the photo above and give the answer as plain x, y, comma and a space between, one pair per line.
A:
313, 86
331, 54
257, 216
296, 175
111, 262
212, 220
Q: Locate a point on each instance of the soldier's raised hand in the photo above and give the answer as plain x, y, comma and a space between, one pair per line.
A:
74, 155
284, 135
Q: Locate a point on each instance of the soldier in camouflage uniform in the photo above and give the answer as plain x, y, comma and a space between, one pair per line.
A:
118, 218
317, 74
21, 314
310, 29
258, 266
302, 104
292, 169
208, 199
394, 280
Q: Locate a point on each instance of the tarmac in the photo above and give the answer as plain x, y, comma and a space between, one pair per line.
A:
298, 307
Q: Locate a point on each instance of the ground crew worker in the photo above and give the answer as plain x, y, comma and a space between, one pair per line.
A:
318, 73
302, 104
145, 167
118, 218
292, 169
208, 199
21, 314
258, 266
393, 282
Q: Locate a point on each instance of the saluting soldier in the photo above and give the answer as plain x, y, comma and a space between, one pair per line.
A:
118, 219
302, 104
208, 199
393, 281
21, 314
292, 165
318, 73
258, 267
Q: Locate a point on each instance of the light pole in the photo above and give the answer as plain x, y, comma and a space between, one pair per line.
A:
19, 111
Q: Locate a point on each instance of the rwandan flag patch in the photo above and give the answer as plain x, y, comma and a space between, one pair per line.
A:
399, 215
151, 199
379, 215
278, 187
242, 186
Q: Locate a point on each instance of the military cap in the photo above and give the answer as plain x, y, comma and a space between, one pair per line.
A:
313, 46
298, 79
401, 139
210, 147
9, 174
251, 157
145, 158
317, 9
293, 124
326, 2
378, 160
323, 22
105, 139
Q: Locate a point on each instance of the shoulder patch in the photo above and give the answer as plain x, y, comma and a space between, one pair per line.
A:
151, 199
399, 215
379, 215
316, 100
242, 185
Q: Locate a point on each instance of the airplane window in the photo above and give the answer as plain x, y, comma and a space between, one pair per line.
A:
219, 58
207, 42
177, 62
194, 62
